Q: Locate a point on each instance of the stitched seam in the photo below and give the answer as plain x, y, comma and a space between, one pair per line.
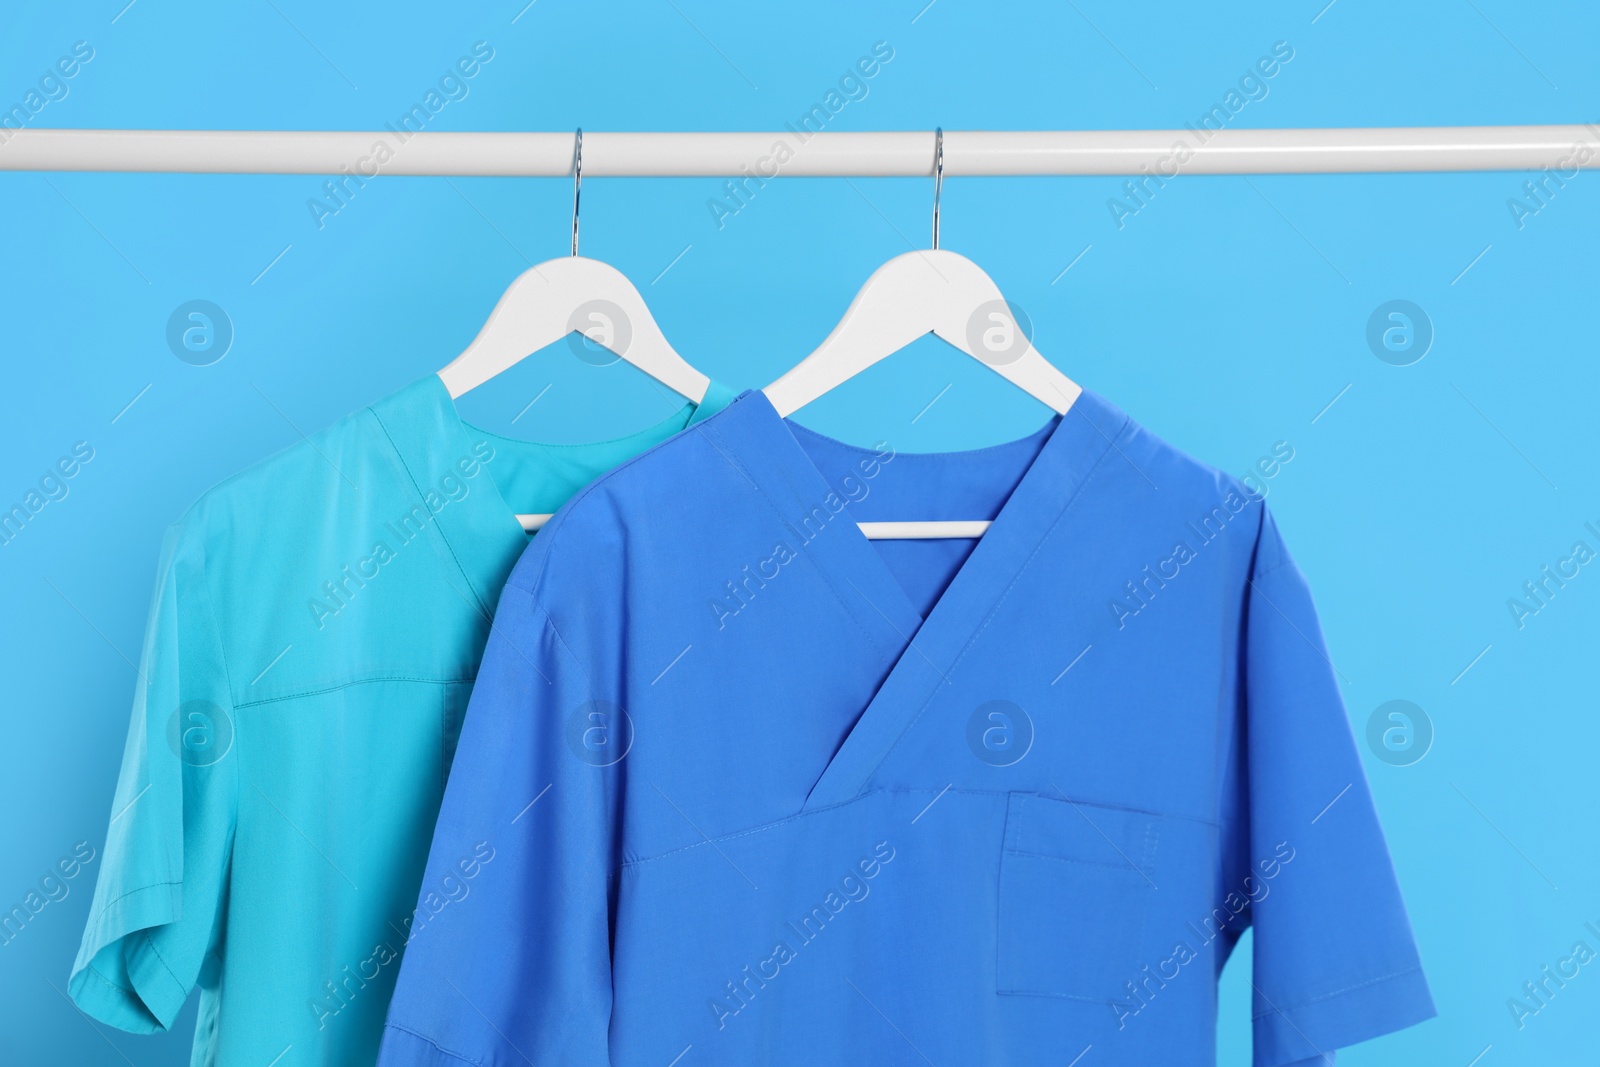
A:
1018, 810
902, 790
105, 911
1066, 509
821, 571
227, 675
483, 609
614, 472
1284, 1011
151, 945
1102, 806
1233, 673
211, 619
376, 679
120, 988
1045, 993
550, 624
698, 430
763, 828
424, 1037
1274, 569
1123, 867
1013, 817
994, 608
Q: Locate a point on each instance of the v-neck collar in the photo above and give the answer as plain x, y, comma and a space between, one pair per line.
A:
922, 652
480, 530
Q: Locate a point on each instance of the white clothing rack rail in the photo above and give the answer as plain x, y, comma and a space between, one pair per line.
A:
1164, 153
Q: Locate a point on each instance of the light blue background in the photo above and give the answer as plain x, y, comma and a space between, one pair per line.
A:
1225, 316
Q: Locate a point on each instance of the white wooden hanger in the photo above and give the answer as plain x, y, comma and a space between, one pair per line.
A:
573, 294
916, 293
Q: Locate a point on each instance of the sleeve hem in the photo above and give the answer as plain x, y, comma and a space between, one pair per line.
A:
1288, 1036
120, 944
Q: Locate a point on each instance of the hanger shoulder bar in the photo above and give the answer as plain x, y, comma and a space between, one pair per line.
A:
923, 531
874, 531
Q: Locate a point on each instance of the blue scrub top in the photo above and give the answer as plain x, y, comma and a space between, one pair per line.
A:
759, 790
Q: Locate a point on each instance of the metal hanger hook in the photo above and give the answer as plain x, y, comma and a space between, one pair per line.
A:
938, 179
577, 184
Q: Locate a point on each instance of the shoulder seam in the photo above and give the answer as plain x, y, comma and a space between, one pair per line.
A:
572, 504
211, 615
233, 702
1274, 569
550, 623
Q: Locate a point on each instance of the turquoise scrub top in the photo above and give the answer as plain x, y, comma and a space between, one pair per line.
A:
762, 791
316, 628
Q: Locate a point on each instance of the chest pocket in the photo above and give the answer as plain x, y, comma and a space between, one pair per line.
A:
1075, 886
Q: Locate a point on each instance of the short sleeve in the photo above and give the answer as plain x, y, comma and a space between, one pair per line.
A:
1334, 957
508, 954
158, 897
